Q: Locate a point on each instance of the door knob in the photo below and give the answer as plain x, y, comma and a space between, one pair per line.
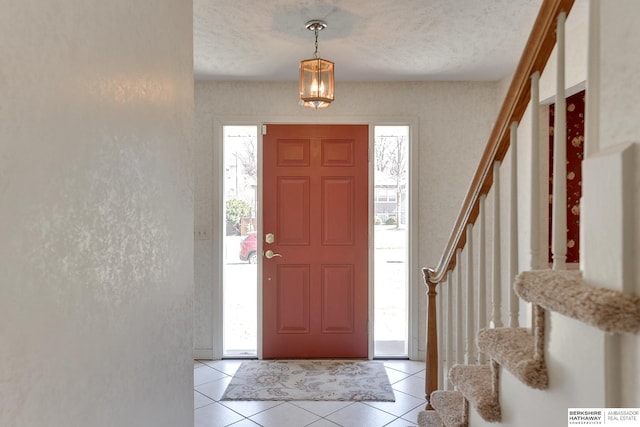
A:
270, 254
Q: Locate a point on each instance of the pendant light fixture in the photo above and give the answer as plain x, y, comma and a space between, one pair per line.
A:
316, 75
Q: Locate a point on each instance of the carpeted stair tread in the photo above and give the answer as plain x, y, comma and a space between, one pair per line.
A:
514, 350
566, 293
450, 406
479, 386
429, 419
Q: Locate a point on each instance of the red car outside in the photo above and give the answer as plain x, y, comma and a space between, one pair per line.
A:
249, 247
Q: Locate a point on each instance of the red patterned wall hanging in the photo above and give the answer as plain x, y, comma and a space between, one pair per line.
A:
575, 153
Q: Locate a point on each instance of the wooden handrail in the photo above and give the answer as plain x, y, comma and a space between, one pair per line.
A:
534, 58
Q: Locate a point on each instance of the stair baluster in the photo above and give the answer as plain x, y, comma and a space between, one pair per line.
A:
450, 328
470, 331
514, 301
559, 223
535, 168
482, 274
459, 308
496, 275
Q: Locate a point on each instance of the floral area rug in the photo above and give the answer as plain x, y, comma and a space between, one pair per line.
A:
310, 380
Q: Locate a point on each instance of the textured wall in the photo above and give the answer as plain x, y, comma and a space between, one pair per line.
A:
96, 213
454, 122
619, 85
618, 163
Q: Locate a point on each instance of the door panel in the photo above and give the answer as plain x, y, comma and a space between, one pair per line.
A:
338, 197
315, 290
293, 200
337, 299
293, 299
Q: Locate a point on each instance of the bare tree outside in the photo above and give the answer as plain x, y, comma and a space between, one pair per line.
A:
247, 157
382, 152
391, 152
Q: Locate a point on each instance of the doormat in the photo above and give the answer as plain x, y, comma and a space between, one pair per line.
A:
310, 380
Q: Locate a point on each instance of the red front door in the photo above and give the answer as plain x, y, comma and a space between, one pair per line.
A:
315, 286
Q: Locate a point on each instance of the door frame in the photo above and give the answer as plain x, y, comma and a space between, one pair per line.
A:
415, 285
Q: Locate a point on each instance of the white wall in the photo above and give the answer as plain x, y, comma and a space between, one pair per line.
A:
96, 215
454, 118
619, 85
612, 177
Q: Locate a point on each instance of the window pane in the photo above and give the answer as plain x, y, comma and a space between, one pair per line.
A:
240, 243
391, 231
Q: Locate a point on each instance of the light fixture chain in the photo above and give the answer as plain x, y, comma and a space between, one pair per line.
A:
315, 54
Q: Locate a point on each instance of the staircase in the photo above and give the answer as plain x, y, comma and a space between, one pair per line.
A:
520, 351
470, 355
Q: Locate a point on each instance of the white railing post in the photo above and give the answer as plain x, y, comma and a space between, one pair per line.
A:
459, 326
559, 224
592, 101
535, 171
482, 273
469, 309
496, 296
514, 301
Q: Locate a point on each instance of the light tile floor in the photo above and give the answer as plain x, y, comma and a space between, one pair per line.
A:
211, 378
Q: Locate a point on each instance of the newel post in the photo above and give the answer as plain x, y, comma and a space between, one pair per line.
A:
431, 381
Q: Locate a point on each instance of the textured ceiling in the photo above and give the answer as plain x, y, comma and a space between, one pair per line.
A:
374, 40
